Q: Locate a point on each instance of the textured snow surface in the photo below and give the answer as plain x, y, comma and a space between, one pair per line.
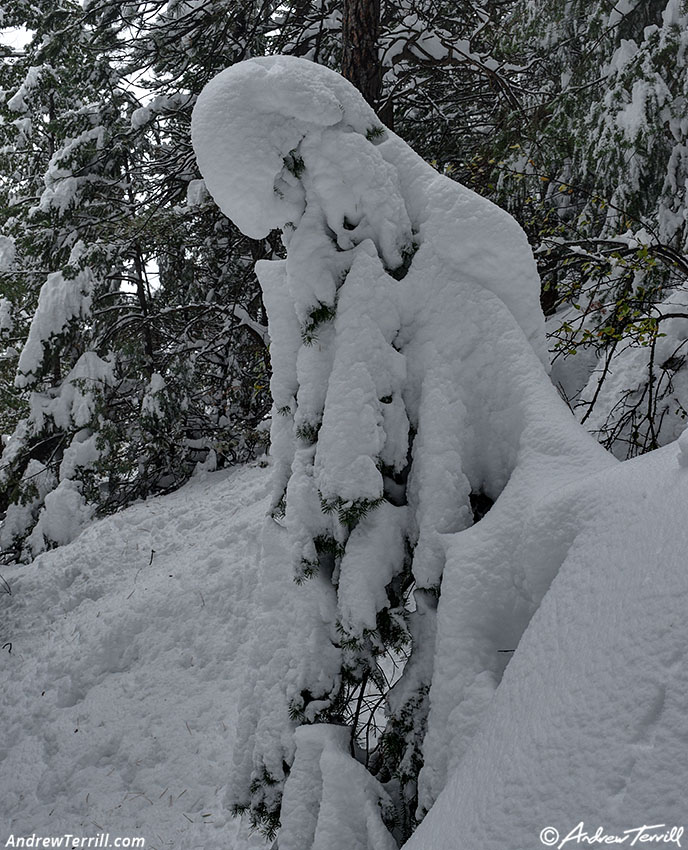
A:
118, 699
139, 633
589, 722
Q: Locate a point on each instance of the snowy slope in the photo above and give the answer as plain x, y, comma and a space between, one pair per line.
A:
118, 700
589, 722
142, 658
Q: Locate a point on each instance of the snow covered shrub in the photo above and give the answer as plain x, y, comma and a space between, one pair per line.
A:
56, 443
409, 393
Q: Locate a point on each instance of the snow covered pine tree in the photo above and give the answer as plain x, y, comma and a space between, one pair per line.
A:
408, 379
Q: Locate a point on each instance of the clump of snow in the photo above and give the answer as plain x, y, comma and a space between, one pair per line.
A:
7, 252
81, 453
253, 115
140, 117
620, 10
150, 403
326, 786
61, 186
6, 320
75, 403
60, 301
64, 514
17, 103
37, 482
196, 193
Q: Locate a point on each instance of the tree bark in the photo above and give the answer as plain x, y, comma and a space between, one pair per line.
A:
360, 60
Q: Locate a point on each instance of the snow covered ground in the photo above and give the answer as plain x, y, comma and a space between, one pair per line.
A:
118, 698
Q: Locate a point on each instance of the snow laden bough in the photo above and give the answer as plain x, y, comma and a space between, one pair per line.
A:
410, 393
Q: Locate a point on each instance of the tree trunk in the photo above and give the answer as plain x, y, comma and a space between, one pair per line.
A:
360, 60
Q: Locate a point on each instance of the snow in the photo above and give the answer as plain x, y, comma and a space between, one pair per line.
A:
41, 481
360, 598
17, 103
179, 664
7, 252
59, 302
150, 404
589, 721
64, 514
119, 696
6, 321
627, 375
140, 117
345, 787
632, 118
620, 10
196, 193
416, 304
392, 316
61, 186
72, 407
137, 635
240, 118
76, 404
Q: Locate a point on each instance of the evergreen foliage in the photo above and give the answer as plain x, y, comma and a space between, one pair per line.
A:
107, 223
593, 165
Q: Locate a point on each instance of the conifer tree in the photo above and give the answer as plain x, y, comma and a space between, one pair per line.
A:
593, 165
106, 218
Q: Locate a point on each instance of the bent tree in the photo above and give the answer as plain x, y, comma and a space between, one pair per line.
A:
410, 394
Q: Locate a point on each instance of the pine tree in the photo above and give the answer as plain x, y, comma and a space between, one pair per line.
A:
365, 421
65, 159
159, 285
595, 174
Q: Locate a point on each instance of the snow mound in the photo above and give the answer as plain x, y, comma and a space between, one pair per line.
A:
262, 124
60, 301
589, 721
